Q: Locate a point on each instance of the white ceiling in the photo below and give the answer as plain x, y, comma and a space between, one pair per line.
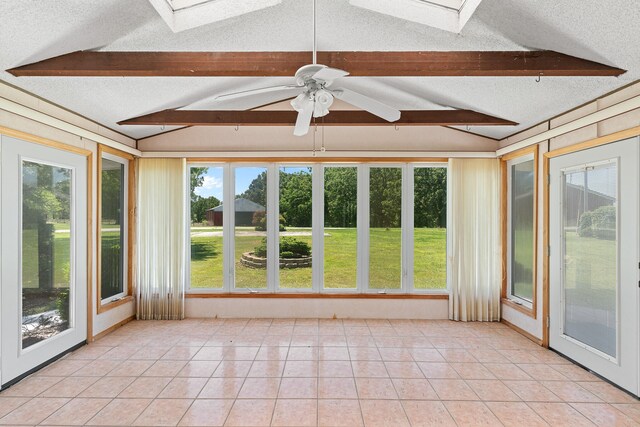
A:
602, 30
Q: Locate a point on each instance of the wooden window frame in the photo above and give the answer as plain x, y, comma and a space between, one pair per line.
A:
505, 293
131, 192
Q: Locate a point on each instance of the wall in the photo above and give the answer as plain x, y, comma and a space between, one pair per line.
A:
36, 114
598, 129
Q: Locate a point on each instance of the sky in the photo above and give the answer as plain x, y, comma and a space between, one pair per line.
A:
213, 179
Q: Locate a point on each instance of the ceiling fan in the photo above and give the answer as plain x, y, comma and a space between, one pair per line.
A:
314, 93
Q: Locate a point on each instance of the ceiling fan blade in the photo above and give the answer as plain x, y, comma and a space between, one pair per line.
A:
328, 74
368, 104
303, 122
246, 100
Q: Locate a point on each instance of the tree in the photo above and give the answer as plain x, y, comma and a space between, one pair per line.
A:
199, 207
196, 180
385, 197
257, 191
430, 200
341, 197
112, 191
296, 198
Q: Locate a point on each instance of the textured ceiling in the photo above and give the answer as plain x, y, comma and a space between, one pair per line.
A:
602, 30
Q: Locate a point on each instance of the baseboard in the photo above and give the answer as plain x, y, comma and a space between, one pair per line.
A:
522, 332
113, 328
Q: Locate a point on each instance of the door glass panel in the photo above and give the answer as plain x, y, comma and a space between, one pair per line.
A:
46, 248
111, 230
590, 256
340, 227
206, 228
430, 228
250, 207
295, 227
385, 228
522, 215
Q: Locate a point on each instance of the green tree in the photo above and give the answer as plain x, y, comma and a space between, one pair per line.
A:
112, 194
257, 190
340, 197
296, 198
430, 202
199, 207
196, 180
385, 197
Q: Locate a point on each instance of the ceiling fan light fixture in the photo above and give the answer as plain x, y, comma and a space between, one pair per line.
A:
299, 101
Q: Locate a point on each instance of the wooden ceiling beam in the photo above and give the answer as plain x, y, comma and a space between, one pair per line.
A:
335, 118
285, 64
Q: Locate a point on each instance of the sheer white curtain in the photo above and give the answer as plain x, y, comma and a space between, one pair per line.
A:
475, 255
161, 272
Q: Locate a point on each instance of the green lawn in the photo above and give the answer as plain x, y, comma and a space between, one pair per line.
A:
340, 260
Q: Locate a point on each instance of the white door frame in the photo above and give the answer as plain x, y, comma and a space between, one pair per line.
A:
82, 309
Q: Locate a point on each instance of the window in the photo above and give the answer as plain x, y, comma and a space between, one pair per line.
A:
331, 228
520, 172
206, 227
113, 237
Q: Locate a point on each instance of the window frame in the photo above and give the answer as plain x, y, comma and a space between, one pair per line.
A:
363, 242
127, 228
520, 304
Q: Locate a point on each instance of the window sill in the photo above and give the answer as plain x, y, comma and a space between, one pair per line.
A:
113, 304
438, 296
519, 307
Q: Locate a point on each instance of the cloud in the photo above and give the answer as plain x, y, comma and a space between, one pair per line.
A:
209, 184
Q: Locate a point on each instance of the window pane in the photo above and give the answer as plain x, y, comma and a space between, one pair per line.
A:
112, 279
295, 227
46, 248
206, 228
385, 228
590, 256
340, 227
430, 228
250, 232
522, 214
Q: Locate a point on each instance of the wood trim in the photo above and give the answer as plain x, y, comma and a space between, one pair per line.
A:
533, 311
302, 295
522, 332
113, 328
603, 140
281, 64
314, 160
101, 308
44, 141
336, 118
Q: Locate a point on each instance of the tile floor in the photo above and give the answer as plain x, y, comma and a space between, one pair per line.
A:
307, 372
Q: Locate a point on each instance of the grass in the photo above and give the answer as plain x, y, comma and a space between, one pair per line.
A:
340, 261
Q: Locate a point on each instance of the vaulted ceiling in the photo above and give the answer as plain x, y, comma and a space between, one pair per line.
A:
604, 31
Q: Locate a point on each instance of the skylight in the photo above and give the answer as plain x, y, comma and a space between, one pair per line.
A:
182, 15
448, 15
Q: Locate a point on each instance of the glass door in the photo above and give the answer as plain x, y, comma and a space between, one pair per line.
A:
44, 269
594, 260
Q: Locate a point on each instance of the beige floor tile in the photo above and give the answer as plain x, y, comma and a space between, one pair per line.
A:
295, 412
221, 388
603, 414
145, 387
427, 414
34, 411
183, 388
119, 353
487, 356
207, 413
165, 368
383, 413
574, 372
607, 393
630, 409
298, 388
376, 388
181, 353
131, 368
241, 353
69, 387
472, 371
300, 368
209, 353
8, 404
364, 354
63, 368
542, 372
472, 414
457, 355
335, 368
107, 387
272, 353
248, 412
303, 353
426, 355
560, 414
492, 390
453, 389
31, 387
369, 369
507, 371
403, 370
98, 368
337, 388
259, 388
438, 370
232, 368
198, 369
76, 412
531, 391
516, 414
339, 413
570, 391
414, 389
266, 368
163, 412
395, 355
150, 353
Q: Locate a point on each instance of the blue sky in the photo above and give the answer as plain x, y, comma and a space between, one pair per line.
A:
213, 178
